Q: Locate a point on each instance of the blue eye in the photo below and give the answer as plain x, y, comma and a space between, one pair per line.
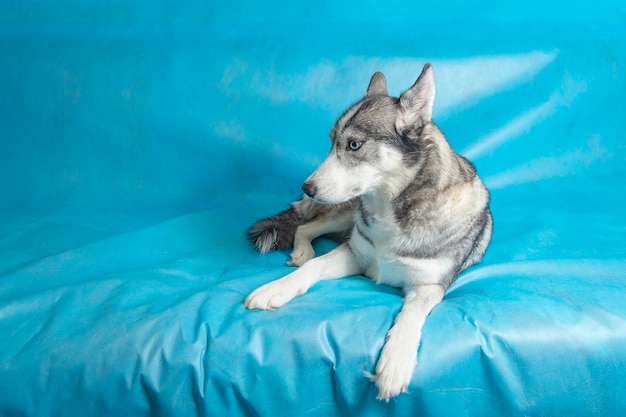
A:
354, 144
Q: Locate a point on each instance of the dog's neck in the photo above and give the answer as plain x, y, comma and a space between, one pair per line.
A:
379, 200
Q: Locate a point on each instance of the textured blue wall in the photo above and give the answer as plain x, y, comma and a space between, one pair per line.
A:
146, 101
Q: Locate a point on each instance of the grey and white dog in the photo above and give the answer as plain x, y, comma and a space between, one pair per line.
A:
411, 212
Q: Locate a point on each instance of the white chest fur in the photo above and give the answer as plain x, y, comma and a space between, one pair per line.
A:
375, 239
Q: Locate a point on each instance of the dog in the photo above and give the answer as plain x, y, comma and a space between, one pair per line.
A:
407, 210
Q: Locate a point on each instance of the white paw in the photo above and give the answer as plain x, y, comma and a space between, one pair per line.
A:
301, 253
274, 294
394, 369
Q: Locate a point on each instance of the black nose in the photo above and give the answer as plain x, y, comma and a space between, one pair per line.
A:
309, 189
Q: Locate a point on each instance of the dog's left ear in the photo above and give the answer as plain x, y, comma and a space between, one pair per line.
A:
416, 103
378, 85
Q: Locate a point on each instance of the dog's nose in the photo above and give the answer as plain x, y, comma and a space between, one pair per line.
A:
309, 189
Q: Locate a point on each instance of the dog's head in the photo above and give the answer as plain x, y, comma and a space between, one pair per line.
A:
374, 142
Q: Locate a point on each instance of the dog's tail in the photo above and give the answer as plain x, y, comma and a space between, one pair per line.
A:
275, 232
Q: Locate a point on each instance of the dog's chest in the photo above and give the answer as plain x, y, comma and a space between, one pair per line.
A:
381, 245
373, 237
376, 225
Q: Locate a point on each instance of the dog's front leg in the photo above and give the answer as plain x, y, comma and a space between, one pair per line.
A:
305, 233
338, 263
399, 355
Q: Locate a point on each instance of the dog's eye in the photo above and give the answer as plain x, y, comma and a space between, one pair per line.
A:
354, 144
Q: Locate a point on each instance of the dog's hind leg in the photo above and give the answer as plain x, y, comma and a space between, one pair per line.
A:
338, 263
321, 225
399, 355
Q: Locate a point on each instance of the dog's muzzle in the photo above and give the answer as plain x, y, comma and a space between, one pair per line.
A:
309, 189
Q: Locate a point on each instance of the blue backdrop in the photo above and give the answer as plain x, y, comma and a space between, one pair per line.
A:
139, 139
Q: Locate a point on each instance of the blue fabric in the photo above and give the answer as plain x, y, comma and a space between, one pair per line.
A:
139, 139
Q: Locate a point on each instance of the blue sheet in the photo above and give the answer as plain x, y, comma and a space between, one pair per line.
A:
139, 140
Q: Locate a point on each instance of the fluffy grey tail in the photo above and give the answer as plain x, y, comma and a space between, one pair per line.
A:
276, 232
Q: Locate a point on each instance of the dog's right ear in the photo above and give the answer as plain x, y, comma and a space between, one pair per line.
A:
378, 85
416, 103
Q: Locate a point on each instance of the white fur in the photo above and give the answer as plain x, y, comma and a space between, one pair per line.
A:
266, 242
330, 179
399, 355
337, 263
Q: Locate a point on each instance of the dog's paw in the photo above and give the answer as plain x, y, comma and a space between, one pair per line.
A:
392, 378
273, 295
394, 369
301, 253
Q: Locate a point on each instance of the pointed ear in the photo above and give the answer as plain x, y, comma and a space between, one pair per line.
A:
416, 103
378, 85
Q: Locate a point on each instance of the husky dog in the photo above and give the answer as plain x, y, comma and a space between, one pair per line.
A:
412, 213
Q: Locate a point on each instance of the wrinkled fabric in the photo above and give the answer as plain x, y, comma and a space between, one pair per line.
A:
139, 140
